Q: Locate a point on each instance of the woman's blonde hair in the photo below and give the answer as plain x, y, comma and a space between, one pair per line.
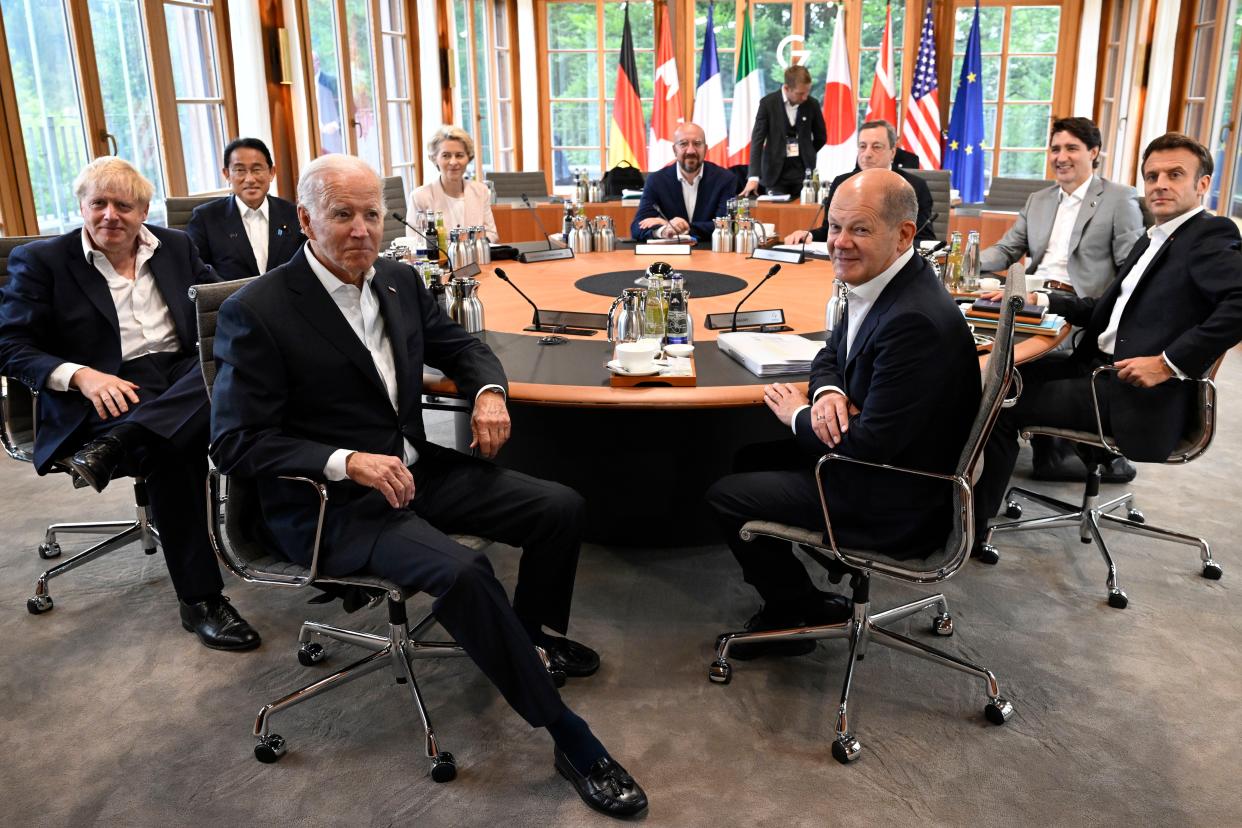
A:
449, 133
107, 172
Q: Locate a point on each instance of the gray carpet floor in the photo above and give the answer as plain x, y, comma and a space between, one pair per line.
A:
113, 715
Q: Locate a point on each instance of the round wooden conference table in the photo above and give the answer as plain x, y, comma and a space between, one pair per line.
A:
642, 457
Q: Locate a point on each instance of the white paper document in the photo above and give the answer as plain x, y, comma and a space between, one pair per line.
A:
813, 248
774, 197
769, 354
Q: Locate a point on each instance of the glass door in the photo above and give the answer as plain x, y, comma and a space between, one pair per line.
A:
1226, 147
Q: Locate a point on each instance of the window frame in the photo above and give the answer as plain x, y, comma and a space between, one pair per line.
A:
495, 58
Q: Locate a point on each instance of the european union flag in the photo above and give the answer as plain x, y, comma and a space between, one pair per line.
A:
963, 153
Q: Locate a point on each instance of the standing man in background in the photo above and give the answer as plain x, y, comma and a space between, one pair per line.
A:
789, 132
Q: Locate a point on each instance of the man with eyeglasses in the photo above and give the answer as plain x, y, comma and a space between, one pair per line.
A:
249, 232
683, 198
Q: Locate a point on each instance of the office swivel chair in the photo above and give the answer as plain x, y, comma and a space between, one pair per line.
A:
860, 565
19, 415
1097, 449
233, 517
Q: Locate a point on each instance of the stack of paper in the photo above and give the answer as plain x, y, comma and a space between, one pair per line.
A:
770, 355
631, 194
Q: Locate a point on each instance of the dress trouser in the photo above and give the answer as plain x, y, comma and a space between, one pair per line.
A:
458, 494
784, 490
793, 171
1056, 391
174, 412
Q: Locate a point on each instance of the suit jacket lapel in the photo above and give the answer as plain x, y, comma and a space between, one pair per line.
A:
386, 292
172, 285
1039, 226
318, 308
281, 231
92, 283
1091, 200
880, 307
235, 228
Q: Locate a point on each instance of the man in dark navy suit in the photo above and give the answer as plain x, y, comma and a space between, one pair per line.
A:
897, 383
789, 132
249, 232
98, 321
683, 198
1174, 308
320, 375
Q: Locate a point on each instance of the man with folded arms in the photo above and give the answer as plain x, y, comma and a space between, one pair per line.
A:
320, 375
897, 383
98, 321
1075, 234
1174, 308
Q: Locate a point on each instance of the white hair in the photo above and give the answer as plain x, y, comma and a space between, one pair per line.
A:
313, 183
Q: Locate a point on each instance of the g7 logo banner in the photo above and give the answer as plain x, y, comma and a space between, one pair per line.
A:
797, 55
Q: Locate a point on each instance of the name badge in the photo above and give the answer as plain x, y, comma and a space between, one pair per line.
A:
791, 149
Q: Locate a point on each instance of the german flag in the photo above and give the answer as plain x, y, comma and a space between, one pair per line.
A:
626, 131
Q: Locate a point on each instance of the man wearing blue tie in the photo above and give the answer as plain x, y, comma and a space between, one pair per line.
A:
249, 232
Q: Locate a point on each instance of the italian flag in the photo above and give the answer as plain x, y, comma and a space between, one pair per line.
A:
747, 90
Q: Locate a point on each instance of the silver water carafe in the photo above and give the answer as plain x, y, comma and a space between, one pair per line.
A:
460, 249
583, 189
482, 247
808, 190
625, 317
744, 241
605, 240
722, 237
580, 235
595, 192
465, 307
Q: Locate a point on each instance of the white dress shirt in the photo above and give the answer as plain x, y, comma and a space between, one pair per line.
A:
1107, 340
858, 304
690, 193
361, 310
791, 109
1055, 262
255, 220
145, 323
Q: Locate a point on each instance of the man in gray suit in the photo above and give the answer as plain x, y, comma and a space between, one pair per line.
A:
1075, 234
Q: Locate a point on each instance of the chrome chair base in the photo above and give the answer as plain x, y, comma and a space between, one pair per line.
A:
395, 651
860, 630
1090, 517
121, 533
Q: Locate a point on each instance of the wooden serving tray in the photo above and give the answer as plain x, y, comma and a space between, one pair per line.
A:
655, 380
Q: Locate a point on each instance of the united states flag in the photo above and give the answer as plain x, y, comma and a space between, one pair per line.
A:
920, 130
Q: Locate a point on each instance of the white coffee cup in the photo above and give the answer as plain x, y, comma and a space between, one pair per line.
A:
678, 350
988, 284
636, 356
1034, 283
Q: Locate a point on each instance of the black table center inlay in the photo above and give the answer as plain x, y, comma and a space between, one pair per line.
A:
700, 283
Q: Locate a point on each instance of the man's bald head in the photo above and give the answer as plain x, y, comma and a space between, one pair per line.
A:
870, 223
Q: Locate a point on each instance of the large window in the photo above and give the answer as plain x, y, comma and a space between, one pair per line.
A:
1019, 45
136, 78
582, 42
1226, 144
483, 89
360, 71
1112, 113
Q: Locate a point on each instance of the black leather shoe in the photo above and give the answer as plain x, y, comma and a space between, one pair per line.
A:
1067, 468
97, 460
1118, 470
571, 658
218, 625
606, 787
771, 618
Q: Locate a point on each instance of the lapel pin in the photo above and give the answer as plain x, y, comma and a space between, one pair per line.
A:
393, 289
280, 231
232, 235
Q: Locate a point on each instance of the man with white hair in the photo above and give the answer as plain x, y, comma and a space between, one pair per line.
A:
98, 321
320, 375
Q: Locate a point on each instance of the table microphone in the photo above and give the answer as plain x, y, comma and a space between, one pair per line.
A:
545, 340
802, 253
930, 220
551, 253
771, 272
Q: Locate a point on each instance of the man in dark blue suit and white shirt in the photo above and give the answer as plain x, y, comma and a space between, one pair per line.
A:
897, 383
249, 232
98, 321
1174, 308
320, 375
683, 198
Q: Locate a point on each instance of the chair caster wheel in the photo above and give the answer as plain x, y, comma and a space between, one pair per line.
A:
998, 711
47, 551
721, 672
988, 554
1212, 571
39, 604
1136, 516
558, 677
942, 624
1117, 599
443, 767
270, 748
1013, 510
311, 653
846, 749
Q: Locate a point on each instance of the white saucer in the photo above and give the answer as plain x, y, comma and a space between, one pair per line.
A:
650, 369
